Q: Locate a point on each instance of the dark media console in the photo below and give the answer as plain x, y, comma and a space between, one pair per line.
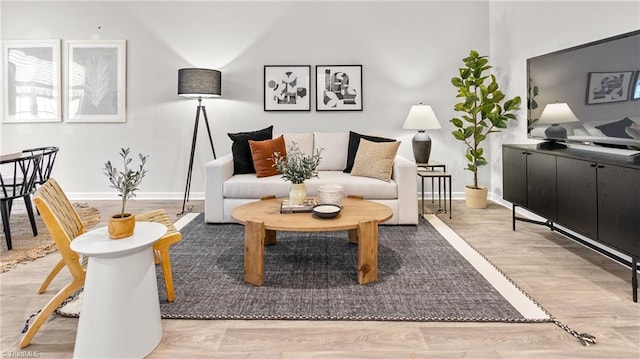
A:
594, 194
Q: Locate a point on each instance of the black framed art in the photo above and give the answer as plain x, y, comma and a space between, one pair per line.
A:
286, 87
339, 88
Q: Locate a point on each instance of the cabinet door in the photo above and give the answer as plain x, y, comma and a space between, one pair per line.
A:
541, 184
514, 176
577, 196
619, 208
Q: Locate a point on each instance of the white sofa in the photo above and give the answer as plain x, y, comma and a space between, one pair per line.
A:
224, 191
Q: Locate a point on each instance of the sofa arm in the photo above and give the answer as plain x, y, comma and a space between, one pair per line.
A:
216, 172
405, 174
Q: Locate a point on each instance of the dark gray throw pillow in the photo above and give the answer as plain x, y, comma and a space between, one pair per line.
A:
242, 160
616, 129
354, 142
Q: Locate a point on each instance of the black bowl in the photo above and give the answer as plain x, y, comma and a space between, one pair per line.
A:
326, 210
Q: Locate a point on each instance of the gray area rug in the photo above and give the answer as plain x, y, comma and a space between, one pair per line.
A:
421, 277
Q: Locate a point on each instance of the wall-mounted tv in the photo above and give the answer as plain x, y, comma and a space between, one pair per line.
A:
599, 82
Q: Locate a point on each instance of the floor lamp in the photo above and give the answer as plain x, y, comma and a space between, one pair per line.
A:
198, 83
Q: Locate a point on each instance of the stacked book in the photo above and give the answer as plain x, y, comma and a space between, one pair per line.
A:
305, 207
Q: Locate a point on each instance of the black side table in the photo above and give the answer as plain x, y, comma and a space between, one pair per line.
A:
431, 166
442, 177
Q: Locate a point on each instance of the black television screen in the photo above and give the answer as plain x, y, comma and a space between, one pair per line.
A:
599, 82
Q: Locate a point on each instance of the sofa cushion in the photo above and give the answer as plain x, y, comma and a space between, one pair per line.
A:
262, 153
617, 128
334, 155
248, 186
242, 160
375, 159
354, 142
304, 141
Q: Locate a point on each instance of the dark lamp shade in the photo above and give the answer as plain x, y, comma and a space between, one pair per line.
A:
199, 83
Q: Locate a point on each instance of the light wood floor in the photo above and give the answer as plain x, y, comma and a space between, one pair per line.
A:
581, 288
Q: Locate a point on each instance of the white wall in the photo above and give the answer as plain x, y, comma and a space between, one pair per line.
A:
524, 29
409, 52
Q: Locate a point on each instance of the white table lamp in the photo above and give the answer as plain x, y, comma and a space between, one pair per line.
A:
554, 114
421, 117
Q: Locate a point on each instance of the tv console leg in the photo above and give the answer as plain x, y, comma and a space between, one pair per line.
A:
513, 217
634, 278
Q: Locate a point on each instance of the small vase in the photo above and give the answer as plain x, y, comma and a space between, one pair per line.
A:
121, 226
297, 193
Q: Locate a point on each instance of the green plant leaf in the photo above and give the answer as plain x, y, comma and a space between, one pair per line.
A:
457, 122
469, 157
500, 124
493, 87
456, 81
459, 135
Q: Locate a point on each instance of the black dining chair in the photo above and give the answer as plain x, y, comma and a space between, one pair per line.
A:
18, 177
46, 164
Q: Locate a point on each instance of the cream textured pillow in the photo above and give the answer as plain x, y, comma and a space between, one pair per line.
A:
375, 159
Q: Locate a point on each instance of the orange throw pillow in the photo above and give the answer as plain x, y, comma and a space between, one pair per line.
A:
262, 154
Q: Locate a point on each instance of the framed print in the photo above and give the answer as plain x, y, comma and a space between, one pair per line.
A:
339, 88
606, 87
286, 88
635, 86
31, 81
96, 81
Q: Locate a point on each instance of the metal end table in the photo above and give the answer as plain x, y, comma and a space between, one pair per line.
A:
428, 170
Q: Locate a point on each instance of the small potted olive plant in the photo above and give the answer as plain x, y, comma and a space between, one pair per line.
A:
296, 167
126, 182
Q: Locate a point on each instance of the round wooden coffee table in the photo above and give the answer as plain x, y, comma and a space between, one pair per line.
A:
262, 219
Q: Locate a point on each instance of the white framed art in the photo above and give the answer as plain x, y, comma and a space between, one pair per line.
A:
31, 81
96, 81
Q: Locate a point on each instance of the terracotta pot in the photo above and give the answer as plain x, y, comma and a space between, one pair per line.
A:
297, 193
121, 226
476, 197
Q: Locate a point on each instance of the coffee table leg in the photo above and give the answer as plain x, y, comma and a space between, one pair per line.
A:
269, 236
254, 235
353, 236
367, 252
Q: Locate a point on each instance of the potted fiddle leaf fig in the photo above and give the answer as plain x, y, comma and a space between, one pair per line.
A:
484, 110
126, 182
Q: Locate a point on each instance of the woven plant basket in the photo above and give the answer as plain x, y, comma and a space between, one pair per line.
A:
476, 197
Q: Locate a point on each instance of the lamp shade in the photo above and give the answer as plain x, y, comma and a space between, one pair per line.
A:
199, 83
555, 113
421, 117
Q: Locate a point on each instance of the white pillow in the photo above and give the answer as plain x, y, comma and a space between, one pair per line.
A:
334, 155
304, 141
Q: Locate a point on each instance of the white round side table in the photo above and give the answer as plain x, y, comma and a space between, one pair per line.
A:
120, 315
